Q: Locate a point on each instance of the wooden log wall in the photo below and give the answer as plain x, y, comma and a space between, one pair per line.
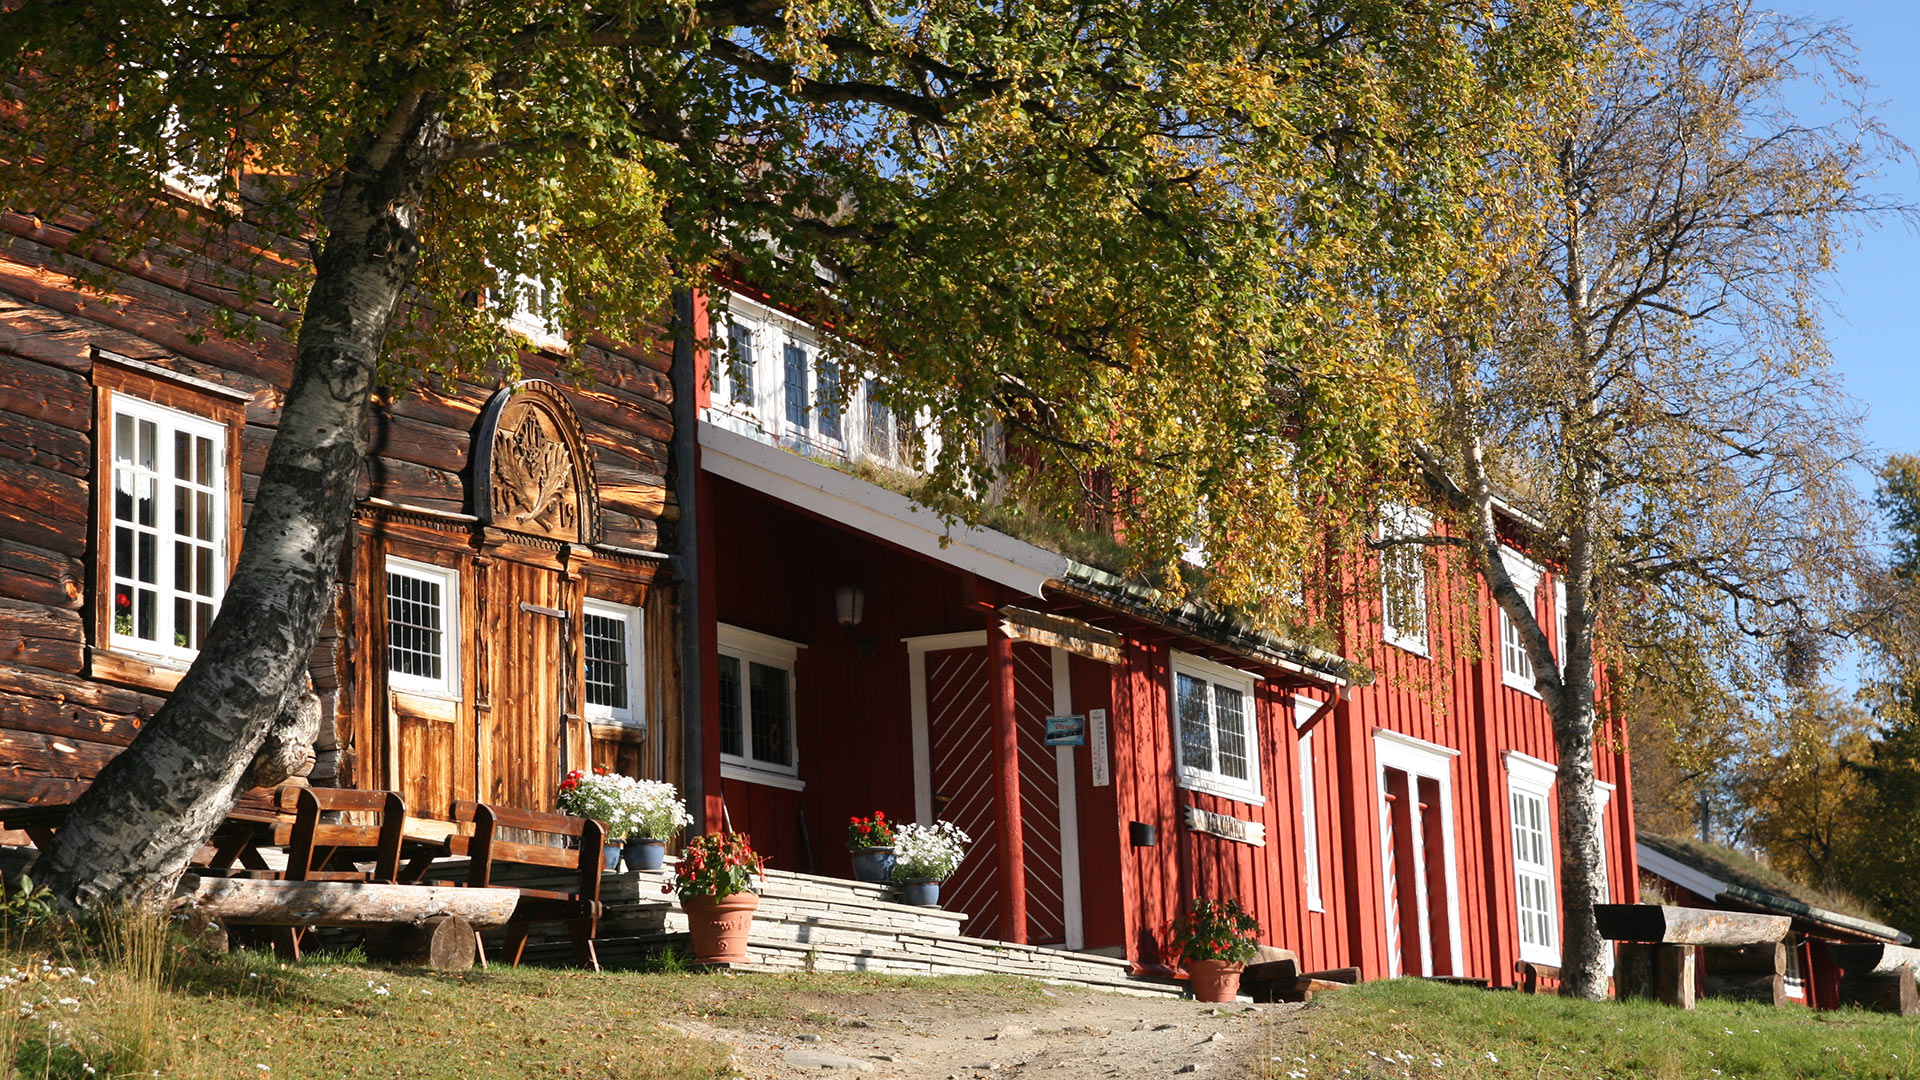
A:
67, 705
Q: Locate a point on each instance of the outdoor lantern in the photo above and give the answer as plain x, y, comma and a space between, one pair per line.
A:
849, 603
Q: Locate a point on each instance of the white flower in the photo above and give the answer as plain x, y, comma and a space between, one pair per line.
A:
67, 972
1491, 1058
263, 1067
382, 991
69, 1001
928, 852
88, 980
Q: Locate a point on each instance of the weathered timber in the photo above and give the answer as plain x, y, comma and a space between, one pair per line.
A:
1874, 958
1660, 972
1769, 959
41, 636
1347, 975
446, 943
39, 576
1768, 989
400, 439
415, 485
49, 717
256, 902
1672, 925
46, 393
47, 446
44, 508
74, 690
1894, 992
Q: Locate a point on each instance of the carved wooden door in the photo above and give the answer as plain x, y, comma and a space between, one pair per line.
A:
527, 656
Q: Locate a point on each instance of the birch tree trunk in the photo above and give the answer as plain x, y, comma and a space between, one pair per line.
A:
134, 830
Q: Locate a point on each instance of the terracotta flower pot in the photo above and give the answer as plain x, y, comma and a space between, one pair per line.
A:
720, 926
1215, 980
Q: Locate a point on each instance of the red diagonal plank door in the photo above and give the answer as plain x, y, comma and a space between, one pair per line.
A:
960, 737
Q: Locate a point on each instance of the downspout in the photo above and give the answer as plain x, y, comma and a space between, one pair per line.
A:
686, 476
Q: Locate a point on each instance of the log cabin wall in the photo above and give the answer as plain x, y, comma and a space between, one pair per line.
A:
72, 693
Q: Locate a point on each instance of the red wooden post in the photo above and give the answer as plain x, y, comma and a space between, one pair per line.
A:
1006, 783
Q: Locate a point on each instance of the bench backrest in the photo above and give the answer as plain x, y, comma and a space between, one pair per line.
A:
310, 835
485, 848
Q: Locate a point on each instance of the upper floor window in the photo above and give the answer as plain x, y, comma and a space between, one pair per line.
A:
423, 604
168, 543
1213, 710
610, 638
1516, 666
1529, 786
756, 705
1403, 580
534, 312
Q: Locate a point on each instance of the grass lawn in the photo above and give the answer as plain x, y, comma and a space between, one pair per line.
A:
1410, 1028
157, 1006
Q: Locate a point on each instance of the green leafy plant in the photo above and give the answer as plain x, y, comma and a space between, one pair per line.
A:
1217, 930
716, 865
25, 905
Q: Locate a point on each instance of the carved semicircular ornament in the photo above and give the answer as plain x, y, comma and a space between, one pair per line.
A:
533, 473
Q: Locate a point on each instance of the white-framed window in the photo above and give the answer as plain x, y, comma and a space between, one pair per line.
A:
1529, 787
611, 645
423, 627
1403, 580
534, 312
756, 696
1516, 667
1215, 737
1303, 710
168, 547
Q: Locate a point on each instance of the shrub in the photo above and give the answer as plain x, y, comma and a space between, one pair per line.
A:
928, 852
716, 865
1217, 930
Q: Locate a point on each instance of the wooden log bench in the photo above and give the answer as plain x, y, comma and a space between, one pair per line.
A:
1533, 975
1878, 976
435, 926
1656, 945
578, 907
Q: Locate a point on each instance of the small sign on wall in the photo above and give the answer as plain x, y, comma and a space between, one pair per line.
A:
1066, 731
1236, 829
1102, 772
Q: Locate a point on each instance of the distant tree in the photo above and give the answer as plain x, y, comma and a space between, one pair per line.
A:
1802, 791
1647, 382
1176, 243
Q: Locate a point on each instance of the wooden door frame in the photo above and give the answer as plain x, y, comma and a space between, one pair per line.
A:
1073, 917
1419, 758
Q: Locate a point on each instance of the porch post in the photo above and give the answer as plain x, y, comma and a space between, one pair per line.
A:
1006, 784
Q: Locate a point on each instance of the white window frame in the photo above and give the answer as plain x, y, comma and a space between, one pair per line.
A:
633, 619
1529, 777
1402, 520
1560, 622
1209, 780
167, 422
448, 578
772, 331
752, 647
1602, 797
540, 329
1303, 712
1516, 665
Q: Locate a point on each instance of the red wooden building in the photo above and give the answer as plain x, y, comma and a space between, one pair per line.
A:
856, 654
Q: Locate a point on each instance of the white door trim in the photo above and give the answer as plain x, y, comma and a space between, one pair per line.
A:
1076, 930
1418, 758
917, 650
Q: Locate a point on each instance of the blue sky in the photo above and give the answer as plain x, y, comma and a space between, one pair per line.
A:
1875, 290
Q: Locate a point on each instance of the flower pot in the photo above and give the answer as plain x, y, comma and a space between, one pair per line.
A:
873, 864
1215, 980
920, 893
720, 926
646, 854
612, 852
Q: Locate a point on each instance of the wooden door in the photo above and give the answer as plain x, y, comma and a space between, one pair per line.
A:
1413, 839
519, 754
960, 740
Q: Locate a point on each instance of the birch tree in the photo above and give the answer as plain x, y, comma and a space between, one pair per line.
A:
1647, 384
1154, 237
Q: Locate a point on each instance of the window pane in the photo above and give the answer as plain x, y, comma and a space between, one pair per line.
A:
1229, 707
606, 647
772, 716
1196, 743
732, 738
829, 399
414, 626
879, 424
740, 365
203, 462
796, 358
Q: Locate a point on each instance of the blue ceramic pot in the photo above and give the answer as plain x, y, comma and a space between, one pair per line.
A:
920, 893
646, 854
874, 864
612, 852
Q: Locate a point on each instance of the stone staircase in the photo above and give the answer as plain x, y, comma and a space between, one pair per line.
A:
808, 923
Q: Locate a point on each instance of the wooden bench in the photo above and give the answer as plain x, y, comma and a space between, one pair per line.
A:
578, 907
1878, 976
1658, 943
319, 850
1532, 975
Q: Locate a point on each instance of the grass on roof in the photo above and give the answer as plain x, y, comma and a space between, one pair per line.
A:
1739, 868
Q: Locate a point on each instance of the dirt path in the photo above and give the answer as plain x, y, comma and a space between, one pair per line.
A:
966, 1034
